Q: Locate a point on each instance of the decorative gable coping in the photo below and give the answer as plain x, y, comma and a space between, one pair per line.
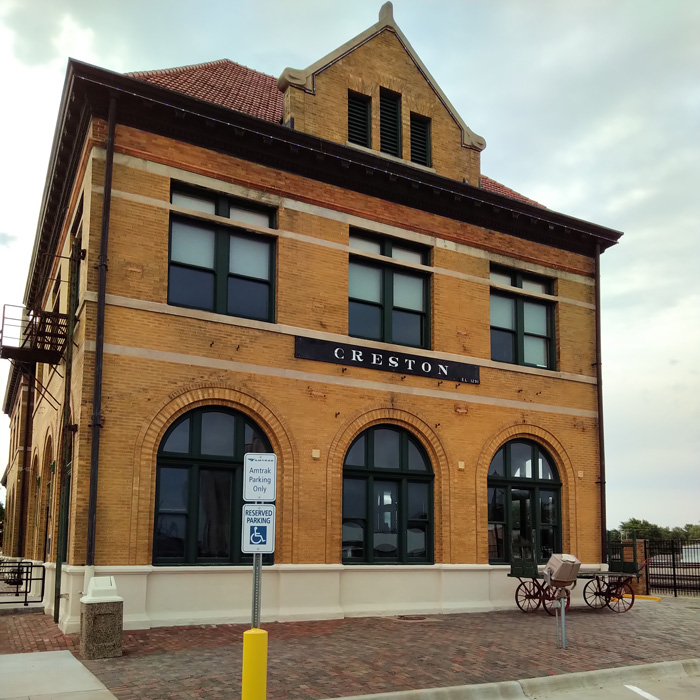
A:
306, 79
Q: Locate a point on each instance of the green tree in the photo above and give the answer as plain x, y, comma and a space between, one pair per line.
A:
643, 529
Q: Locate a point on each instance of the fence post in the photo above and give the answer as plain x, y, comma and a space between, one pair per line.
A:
673, 564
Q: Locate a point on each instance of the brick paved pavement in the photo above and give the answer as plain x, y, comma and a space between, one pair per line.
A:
311, 660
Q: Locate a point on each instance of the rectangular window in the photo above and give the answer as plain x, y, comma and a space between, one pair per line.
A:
359, 119
219, 268
388, 302
420, 140
390, 122
522, 327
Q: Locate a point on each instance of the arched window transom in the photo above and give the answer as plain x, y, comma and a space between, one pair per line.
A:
523, 503
387, 499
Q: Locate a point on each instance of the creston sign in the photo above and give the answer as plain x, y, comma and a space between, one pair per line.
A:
385, 360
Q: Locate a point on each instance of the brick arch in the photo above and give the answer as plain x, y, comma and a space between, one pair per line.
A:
146, 449
563, 464
351, 428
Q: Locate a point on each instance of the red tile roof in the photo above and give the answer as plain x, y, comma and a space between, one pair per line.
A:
494, 186
224, 83
246, 90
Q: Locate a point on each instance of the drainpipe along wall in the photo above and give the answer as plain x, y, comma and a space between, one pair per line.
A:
601, 431
96, 424
25, 473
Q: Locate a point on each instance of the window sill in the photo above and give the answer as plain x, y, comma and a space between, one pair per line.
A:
403, 161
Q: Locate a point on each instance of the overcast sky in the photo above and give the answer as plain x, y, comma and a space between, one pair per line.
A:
591, 107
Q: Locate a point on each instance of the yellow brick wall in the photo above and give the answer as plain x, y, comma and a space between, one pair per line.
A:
382, 62
160, 364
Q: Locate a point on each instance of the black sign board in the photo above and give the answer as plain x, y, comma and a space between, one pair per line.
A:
384, 360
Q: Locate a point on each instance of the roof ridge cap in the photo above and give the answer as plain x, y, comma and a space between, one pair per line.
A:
182, 69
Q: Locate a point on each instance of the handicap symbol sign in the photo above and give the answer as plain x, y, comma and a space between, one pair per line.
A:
258, 534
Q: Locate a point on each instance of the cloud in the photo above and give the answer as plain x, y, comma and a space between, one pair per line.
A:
6, 239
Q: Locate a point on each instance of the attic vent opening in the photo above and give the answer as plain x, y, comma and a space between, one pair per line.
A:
390, 122
420, 139
359, 119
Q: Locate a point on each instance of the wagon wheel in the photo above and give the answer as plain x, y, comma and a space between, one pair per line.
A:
621, 597
550, 602
527, 596
595, 594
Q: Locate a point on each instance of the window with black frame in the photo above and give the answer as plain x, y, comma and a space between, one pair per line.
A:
387, 499
387, 301
199, 487
524, 515
217, 267
522, 326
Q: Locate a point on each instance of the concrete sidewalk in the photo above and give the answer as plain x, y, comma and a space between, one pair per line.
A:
362, 656
50, 675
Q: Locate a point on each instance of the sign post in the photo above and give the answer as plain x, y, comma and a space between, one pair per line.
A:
257, 538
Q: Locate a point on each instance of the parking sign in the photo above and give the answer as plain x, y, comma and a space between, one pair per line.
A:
258, 531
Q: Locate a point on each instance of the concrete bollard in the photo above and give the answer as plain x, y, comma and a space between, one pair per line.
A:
101, 620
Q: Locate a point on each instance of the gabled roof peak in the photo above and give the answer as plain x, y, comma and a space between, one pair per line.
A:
305, 79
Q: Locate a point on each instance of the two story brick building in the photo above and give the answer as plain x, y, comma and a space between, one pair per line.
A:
312, 266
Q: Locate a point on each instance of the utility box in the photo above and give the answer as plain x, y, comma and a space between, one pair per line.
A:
101, 619
563, 569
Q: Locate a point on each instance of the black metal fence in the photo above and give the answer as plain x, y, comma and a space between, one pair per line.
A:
21, 582
673, 566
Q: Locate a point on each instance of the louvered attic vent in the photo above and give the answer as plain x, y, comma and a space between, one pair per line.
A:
390, 122
420, 139
359, 119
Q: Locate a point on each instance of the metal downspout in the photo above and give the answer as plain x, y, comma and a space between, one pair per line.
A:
26, 458
601, 430
96, 424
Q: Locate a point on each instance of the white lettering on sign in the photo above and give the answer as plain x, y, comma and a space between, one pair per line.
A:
258, 529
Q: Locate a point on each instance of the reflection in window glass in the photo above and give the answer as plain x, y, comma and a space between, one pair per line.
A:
365, 321
254, 440
172, 494
179, 438
249, 257
386, 536
418, 500
217, 434
208, 206
386, 449
214, 514
248, 298
416, 461
406, 254
535, 318
365, 283
416, 541
249, 216
190, 287
354, 498
406, 328
408, 292
533, 285
535, 350
364, 244
497, 467
497, 504
545, 470
170, 536
356, 454
502, 312
192, 244
521, 460
496, 547
500, 277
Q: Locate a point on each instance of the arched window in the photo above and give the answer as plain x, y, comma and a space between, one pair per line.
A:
199, 487
523, 503
387, 499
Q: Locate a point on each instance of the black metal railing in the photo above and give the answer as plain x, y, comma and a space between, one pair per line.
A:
32, 336
21, 582
674, 566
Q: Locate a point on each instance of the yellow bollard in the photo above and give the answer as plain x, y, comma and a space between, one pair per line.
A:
254, 678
